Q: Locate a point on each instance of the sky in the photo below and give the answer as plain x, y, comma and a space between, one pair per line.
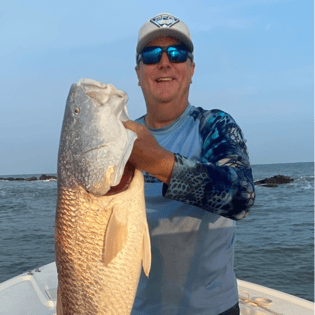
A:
254, 60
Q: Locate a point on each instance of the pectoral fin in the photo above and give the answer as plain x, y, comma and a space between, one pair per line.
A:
146, 251
116, 235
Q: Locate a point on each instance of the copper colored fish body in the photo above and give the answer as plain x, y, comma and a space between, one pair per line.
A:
101, 241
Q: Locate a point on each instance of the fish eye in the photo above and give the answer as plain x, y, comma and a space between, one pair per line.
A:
77, 111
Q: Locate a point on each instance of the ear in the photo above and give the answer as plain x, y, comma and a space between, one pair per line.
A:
137, 68
192, 71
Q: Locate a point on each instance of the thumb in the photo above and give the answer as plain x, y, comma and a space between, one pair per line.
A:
129, 124
132, 125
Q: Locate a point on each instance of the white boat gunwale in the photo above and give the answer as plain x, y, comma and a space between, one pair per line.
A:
44, 282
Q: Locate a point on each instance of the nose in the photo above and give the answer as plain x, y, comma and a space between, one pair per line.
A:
164, 62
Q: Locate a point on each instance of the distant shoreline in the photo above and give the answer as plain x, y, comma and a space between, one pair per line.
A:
55, 174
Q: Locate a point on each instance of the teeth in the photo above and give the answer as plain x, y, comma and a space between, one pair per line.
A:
164, 79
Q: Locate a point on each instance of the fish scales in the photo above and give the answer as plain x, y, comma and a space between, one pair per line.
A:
80, 254
100, 241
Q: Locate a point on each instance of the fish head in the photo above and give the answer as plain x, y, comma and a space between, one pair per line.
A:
94, 144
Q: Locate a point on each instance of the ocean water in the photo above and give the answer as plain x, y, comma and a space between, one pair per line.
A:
274, 246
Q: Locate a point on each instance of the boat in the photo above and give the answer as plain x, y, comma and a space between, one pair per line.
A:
35, 292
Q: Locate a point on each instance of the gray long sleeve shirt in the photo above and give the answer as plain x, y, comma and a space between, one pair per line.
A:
192, 220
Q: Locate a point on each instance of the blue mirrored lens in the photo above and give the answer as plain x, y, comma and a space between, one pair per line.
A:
151, 55
177, 53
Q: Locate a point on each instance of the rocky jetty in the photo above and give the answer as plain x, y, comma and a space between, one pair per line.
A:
274, 181
29, 179
46, 177
11, 179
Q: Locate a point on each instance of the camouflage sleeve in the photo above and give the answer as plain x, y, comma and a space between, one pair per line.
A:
221, 180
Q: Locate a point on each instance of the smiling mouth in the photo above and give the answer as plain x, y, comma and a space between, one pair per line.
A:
164, 79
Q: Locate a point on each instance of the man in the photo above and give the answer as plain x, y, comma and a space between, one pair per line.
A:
198, 181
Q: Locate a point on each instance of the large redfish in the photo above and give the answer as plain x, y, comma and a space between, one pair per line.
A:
101, 238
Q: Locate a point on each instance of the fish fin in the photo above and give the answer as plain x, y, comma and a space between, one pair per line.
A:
116, 235
59, 304
146, 251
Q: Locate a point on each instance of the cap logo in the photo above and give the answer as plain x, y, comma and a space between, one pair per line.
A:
164, 20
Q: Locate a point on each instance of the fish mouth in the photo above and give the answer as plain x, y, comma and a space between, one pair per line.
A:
125, 181
96, 148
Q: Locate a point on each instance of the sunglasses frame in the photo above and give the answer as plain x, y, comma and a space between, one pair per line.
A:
165, 49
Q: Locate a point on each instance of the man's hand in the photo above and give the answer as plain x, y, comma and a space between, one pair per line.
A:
148, 155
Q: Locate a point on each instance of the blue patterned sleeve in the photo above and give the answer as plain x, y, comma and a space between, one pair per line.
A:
221, 180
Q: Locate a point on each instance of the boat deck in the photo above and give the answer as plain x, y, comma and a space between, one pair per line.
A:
35, 292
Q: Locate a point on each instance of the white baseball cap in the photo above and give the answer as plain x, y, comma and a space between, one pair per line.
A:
167, 25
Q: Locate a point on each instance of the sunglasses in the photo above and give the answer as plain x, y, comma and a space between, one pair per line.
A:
152, 54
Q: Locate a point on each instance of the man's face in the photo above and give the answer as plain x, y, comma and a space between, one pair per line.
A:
164, 81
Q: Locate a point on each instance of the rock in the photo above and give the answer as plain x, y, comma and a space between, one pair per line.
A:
271, 181
45, 177
31, 179
14, 178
